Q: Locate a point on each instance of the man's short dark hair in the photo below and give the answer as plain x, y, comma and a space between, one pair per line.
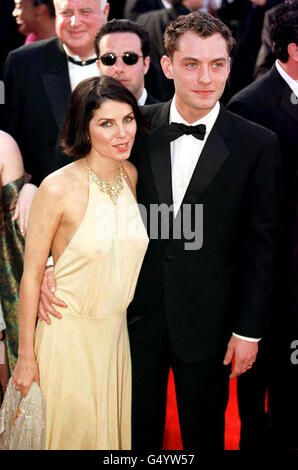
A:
123, 26
201, 23
284, 28
48, 3
85, 99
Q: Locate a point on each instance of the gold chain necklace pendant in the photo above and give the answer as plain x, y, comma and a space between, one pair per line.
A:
111, 189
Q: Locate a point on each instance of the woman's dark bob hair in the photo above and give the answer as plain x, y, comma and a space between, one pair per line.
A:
85, 99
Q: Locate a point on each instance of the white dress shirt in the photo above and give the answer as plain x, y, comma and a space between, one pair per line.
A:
293, 84
77, 73
143, 97
185, 153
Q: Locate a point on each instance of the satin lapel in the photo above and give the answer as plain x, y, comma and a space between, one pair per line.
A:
288, 102
160, 155
213, 156
56, 84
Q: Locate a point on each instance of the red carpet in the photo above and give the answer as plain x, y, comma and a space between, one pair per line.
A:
172, 437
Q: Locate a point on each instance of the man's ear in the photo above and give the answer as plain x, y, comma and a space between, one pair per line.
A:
229, 65
166, 65
293, 51
146, 64
106, 11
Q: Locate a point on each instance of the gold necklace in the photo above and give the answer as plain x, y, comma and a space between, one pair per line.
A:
112, 189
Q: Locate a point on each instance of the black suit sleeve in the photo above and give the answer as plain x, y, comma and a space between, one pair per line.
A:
13, 117
261, 222
10, 117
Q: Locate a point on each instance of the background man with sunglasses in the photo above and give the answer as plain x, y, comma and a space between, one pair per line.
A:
122, 48
39, 78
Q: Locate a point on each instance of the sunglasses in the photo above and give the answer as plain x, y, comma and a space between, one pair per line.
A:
129, 58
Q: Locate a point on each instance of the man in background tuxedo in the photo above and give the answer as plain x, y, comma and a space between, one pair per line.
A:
120, 40
272, 101
39, 78
199, 302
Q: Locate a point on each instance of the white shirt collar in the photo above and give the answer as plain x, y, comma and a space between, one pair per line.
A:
208, 120
77, 73
143, 97
293, 84
76, 57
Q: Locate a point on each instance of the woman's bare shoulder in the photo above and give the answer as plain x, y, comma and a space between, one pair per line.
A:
7, 140
64, 180
11, 162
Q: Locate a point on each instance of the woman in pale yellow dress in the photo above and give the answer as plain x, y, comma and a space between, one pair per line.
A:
87, 215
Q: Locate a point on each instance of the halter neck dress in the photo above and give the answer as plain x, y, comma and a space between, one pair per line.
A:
84, 359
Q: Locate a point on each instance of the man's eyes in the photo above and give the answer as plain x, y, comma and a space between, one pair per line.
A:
70, 13
192, 65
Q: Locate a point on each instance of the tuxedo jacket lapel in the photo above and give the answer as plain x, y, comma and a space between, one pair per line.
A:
211, 159
160, 155
56, 83
288, 102
213, 156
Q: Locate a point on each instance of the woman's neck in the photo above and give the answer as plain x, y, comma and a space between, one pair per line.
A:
106, 169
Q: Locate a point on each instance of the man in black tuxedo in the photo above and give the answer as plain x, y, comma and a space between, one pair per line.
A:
196, 309
272, 102
204, 284
39, 78
123, 40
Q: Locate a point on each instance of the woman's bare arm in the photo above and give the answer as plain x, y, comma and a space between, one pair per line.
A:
45, 216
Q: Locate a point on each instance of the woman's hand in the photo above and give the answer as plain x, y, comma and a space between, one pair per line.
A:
25, 372
23, 206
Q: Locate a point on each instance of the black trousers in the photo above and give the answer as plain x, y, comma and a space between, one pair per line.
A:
201, 390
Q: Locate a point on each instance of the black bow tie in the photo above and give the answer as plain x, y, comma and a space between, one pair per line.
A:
83, 62
176, 130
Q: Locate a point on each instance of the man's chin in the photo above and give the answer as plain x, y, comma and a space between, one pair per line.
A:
22, 30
